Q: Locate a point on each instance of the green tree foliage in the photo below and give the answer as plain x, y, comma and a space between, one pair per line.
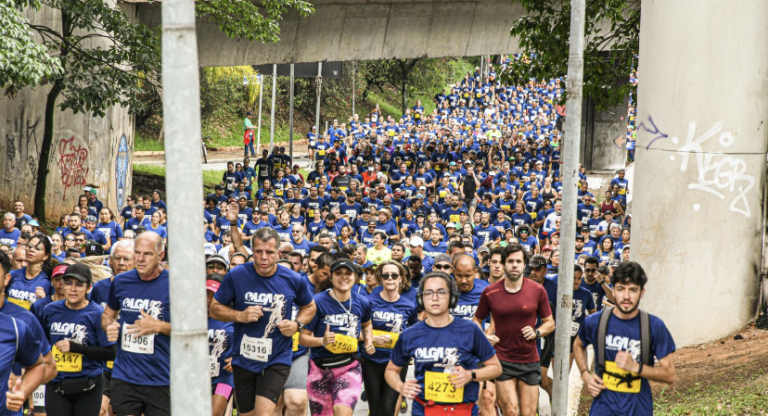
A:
612, 33
105, 59
408, 75
23, 62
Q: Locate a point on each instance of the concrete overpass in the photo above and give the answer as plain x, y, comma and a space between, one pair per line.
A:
358, 30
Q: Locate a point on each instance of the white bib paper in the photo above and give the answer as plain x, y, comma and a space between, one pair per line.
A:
139, 345
257, 349
215, 366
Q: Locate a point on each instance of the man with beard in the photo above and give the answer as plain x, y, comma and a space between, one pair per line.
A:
614, 385
485, 232
515, 304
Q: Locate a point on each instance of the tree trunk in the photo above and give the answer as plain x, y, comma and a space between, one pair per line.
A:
45, 151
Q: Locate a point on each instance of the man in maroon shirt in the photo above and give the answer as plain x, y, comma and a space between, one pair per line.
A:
515, 303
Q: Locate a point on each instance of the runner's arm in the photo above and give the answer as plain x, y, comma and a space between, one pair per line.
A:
547, 326
306, 313
490, 370
224, 313
108, 317
663, 373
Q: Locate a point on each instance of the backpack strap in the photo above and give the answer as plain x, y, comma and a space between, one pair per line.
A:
602, 328
645, 338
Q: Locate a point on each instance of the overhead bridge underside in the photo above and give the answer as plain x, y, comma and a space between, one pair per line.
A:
355, 30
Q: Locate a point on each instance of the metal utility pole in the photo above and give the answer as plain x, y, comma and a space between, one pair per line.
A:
272, 115
190, 384
261, 89
354, 75
319, 92
290, 120
571, 144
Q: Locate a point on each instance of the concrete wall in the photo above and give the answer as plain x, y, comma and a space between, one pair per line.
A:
354, 30
86, 150
700, 163
602, 128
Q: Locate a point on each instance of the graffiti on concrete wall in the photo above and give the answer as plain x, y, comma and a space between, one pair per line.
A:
22, 142
72, 164
717, 172
121, 170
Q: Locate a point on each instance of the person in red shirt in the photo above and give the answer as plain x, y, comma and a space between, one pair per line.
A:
515, 303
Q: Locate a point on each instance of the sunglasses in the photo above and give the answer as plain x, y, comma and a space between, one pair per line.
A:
442, 267
390, 276
590, 270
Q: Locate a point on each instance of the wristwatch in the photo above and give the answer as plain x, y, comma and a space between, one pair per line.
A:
474, 376
301, 326
538, 334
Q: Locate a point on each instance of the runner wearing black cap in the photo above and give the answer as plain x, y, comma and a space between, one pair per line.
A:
80, 347
343, 316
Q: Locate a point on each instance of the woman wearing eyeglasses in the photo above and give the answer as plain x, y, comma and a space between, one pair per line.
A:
393, 312
447, 354
80, 347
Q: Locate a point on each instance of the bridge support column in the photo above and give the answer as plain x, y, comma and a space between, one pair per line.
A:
700, 163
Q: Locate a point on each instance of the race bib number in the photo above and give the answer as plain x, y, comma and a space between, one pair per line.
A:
622, 191
442, 194
67, 362
391, 133
454, 218
392, 339
110, 364
295, 342
439, 388
38, 396
321, 152
136, 344
417, 116
20, 302
215, 366
533, 215
575, 328
257, 349
620, 385
506, 207
344, 344
279, 192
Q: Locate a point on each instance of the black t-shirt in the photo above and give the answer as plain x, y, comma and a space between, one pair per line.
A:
468, 185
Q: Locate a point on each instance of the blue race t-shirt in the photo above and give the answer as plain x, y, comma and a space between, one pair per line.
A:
582, 303
144, 360
624, 335
17, 347
10, 238
221, 337
100, 292
34, 328
344, 318
389, 318
439, 350
243, 287
21, 290
82, 327
467, 304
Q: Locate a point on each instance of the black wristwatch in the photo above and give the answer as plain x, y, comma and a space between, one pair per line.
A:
233, 224
301, 326
474, 376
538, 334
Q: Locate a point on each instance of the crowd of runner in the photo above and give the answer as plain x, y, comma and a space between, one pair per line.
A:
430, 241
